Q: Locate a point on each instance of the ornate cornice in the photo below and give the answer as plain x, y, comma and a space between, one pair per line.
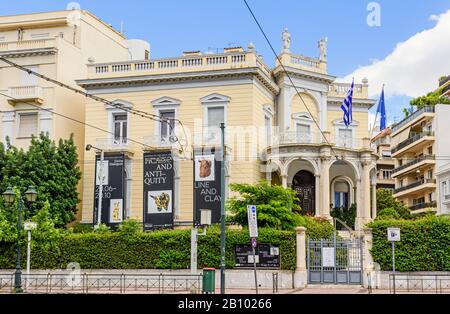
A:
28, 52
315, 76
144, 80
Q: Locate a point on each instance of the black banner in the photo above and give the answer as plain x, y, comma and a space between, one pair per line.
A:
113, 200
267, 256
207, 183
158, 190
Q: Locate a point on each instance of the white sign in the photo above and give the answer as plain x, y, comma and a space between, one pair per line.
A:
115, 210
30, 225
393, 234
252, 221
104, 171
328, 257
251, 260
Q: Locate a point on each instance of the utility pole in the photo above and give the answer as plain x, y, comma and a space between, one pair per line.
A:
222, 214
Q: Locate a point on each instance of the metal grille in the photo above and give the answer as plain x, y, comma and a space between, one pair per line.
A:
334, 261
105, 283
413, 283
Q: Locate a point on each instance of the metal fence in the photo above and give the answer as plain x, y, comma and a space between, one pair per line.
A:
105, 283
404, 283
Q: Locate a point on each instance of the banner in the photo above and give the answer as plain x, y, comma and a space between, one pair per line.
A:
113, 201
207, 183
158, 190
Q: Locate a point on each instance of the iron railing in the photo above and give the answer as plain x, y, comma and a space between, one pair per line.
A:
411, 117
411, 140
413, 185
423, 205
404, 283
415, 161
105, 283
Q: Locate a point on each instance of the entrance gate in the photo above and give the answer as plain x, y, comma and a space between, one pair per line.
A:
334, 261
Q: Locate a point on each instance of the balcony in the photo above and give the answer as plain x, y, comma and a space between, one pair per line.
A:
158, 141
341, 90
111, 144
292, 137
25, 93
421, 159
423, 205
411, 118
421, 183
23, 46
416, 137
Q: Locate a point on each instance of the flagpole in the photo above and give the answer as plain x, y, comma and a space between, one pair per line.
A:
376, 115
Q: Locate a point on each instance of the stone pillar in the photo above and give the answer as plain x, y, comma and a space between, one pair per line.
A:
370, 272
318, 201
374, 200
284, 182
284, 108
363, 213
325, 187
269, 176
300, 275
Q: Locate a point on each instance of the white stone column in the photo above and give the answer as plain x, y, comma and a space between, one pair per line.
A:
325, 187
364, 204
269, 176
318, 202
300, 275
284, 182
374, 200
369, 271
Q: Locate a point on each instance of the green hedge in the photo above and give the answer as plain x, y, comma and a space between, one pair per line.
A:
168, 249
424, 245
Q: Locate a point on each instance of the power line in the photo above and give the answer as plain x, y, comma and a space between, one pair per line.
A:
140, 113
290, 79
75, 120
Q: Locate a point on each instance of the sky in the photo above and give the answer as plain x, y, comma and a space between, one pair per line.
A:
407, 48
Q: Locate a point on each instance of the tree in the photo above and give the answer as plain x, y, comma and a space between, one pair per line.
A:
277, 206
385, 200
52, 169
431, 99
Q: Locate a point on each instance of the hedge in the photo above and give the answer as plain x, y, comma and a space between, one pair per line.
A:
167, 249
424, 245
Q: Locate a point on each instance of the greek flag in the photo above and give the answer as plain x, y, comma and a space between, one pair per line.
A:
347, 106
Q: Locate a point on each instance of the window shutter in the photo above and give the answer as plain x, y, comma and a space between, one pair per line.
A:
28, 124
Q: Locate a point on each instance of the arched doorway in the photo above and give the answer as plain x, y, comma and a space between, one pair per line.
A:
303, 184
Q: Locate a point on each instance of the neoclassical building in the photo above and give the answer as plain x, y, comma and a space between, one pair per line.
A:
272, 118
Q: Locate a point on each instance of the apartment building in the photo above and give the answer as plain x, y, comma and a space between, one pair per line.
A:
164, 172
419, 143
60, 45
385, 164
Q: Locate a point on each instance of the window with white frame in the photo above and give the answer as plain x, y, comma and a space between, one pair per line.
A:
28, 124
167, 124
341, 195
303, 133
214, 114
387, 174
345, 137
120, 124
444, 188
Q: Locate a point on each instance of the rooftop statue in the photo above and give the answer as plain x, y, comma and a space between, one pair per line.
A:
323, 48
286, 37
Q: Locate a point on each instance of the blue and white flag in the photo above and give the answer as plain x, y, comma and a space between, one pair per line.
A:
382, 111
347, 106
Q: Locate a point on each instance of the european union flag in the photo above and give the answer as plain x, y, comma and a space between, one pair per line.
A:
347, 106
382, 111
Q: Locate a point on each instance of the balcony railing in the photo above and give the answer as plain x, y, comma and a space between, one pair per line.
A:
112, 143
184, 63
423, 205
411, 117
25, 92
160, 141
415, 161
341, 89
411, 140
28, 44
413, 185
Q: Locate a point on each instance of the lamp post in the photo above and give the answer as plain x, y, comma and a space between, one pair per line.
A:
100, 184
10, 197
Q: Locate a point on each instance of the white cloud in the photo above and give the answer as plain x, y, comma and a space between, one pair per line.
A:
414, 66
434, 17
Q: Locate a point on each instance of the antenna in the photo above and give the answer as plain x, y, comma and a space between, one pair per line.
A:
121, 27
73, 6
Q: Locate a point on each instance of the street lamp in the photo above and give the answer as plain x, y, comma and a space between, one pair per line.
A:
10, 197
